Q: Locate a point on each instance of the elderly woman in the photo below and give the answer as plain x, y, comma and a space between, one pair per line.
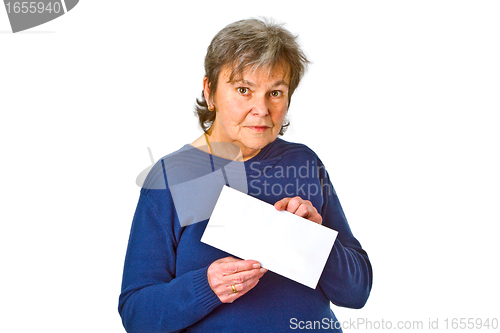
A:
172, 282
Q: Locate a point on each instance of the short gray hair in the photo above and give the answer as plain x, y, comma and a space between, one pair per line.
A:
255, 44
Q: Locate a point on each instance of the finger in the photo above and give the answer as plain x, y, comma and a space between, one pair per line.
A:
229, 266
303, 210
232, 267
288, 204
244, 286
221, 284
231, 296
300, 207
307, 211
282, 204
242, 277
294, 204
316, 217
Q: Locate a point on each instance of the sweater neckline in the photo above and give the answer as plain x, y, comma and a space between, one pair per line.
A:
262, 155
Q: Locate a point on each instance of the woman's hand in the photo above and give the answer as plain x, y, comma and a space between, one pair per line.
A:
229, 272
300, 207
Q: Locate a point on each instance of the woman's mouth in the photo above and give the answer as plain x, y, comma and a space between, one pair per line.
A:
258, 129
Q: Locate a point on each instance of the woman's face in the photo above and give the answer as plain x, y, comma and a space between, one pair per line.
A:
250, 109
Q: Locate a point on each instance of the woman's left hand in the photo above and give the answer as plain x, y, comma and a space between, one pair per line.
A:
300, 207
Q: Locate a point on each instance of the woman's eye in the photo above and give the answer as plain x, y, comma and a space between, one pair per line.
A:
276, 93
243, 91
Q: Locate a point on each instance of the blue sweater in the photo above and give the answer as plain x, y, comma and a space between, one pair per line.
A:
165, 286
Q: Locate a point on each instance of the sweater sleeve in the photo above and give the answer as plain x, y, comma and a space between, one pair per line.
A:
347, 277
153, 299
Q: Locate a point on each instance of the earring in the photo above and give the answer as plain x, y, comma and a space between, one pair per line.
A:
211, 108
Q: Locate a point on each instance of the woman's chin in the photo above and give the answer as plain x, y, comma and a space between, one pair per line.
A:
256, 144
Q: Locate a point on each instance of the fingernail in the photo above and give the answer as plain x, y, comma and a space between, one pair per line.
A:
263, 270
255, 265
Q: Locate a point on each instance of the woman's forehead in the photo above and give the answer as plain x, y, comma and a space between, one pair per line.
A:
250, 73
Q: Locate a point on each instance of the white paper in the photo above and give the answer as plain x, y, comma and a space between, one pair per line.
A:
282, 242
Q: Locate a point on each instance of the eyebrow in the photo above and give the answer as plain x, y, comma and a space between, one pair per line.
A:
251, 84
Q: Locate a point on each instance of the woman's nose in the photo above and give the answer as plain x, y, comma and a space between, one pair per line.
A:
260, 107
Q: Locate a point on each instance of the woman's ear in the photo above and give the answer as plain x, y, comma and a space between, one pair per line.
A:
206, 90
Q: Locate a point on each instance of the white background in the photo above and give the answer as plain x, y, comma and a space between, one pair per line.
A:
401, 103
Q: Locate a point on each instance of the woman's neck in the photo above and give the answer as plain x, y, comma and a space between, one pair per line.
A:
227, 150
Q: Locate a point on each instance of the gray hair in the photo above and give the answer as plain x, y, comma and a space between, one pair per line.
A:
251, 44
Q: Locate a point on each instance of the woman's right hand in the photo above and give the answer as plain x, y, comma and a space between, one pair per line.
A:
227, 272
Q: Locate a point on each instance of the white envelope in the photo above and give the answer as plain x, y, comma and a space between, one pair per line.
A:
282, 242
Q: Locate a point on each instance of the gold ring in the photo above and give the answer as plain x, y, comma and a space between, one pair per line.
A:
234, 288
